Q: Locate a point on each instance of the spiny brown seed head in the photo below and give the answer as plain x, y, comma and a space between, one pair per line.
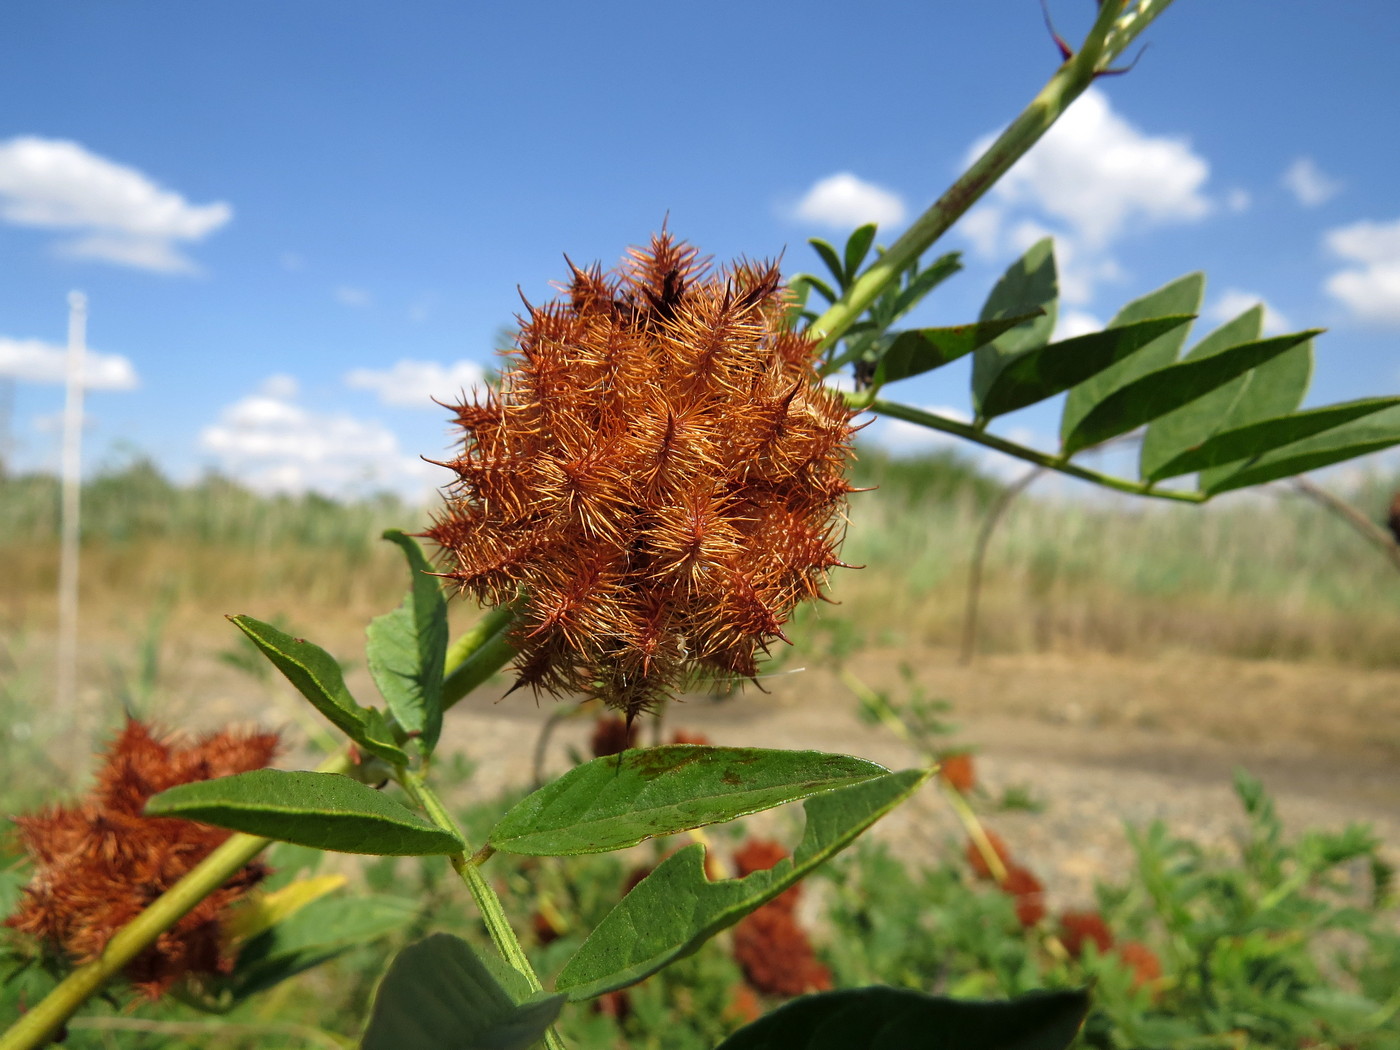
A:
661, 478
99, 863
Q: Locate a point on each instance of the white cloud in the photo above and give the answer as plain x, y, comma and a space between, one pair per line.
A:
125, 217
414, 384
279, 386
1309, 183
845, 201
1092, 180
275, 444
1370, 287
356, 297
1071, 323
35, 361
1234, 301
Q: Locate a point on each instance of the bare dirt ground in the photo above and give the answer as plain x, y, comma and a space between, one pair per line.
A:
1098, 740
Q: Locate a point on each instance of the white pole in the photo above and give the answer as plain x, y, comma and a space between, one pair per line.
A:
72, 494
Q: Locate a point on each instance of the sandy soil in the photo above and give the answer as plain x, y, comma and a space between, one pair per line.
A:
1098, 740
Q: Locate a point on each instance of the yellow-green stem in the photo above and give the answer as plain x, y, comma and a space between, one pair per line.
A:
478, 654
493, 914
977, 833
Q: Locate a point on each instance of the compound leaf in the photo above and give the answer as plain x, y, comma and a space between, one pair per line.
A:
1193, 423
920, 350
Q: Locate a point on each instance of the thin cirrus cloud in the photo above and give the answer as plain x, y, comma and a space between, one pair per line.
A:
1090, 181
1369, 285
843, 201
418, 384
274, 444
358, 298
1309, 184
35, 361
119, 215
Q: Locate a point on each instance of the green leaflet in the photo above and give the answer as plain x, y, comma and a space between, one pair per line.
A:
1254, 439
315, 934
881, 1018
317, 677
618, 801
439, 994
920, 350
1275, 389
322, 810
832, 260
1029, 286
857, 247
405, 650
1193, 423
675, 909
1377, 431
1182, 296
1049, 370
1157, 393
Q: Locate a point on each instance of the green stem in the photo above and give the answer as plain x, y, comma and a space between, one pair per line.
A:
965, 430
478, 654
41, 1023
1103, 43
474, 658
493, 913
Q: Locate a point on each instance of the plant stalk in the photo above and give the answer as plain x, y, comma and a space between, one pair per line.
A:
478, 654
1064, 86
493, 913
1030, 455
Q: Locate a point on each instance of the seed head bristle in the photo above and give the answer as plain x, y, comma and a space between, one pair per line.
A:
660, 479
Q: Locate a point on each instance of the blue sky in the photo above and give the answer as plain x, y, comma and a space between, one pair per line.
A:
293, 222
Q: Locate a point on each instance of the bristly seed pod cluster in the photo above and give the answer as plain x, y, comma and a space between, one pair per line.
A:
99, 863
660, 478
